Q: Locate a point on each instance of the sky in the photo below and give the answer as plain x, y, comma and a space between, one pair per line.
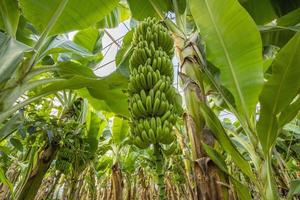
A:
110, 49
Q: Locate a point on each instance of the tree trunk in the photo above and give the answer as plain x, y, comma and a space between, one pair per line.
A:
187, 171
47, 186
12, 175
129, 188
142, 182
160, 171
134, 190
117, 182
36, 176
206, 173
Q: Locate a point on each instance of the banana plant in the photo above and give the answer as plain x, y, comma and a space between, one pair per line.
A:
33, 46
231, 64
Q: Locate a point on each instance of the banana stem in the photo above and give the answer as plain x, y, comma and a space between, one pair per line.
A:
159, 171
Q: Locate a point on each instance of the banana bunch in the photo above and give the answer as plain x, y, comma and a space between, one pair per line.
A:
151, 31
152, 96
64, 160
62, 166
66, 154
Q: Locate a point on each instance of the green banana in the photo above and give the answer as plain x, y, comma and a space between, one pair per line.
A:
143, 97
145, 137
151, 93
156, 105
136, 111
153, 123
158, 122
154, 78
140, 106
139, 143
140, 127
159, 62
157, 95
162, 108
149, 104
169, 137
143, 80
162, 86
146, 124
166, 115
157, 85
149, 80
152, 136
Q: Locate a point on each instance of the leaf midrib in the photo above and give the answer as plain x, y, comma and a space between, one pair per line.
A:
228, 60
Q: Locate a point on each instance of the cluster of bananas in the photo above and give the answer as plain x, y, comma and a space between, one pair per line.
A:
152, 96
64, 160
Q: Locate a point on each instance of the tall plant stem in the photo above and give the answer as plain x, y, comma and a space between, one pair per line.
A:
159, 171
268, 190
36, 176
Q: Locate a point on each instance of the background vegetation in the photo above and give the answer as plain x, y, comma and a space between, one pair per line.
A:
64, 131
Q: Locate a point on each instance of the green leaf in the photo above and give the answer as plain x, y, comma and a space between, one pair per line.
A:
62, 44
5, 181
25, 32
9, 16
108, 90
292, 128
233, 45
220, 134
73, 15
11, 53
260, 10
214, 155
294, 188
16, 143
10, 126
104, 163
10, 96
143, 8
112, 20
69, 69
284, 7
95, 125
279, 91
286, 27
87, 38
242, 190
181, 4
290, 19
119, 130
273, 28
289, 113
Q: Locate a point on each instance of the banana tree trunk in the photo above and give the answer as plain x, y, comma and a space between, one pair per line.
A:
52, 189
142, 183
12, 175
36, 176
117, 182
129, 187
134, 189
187, 165
159, 171
207, 174
76, 193
46, 187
